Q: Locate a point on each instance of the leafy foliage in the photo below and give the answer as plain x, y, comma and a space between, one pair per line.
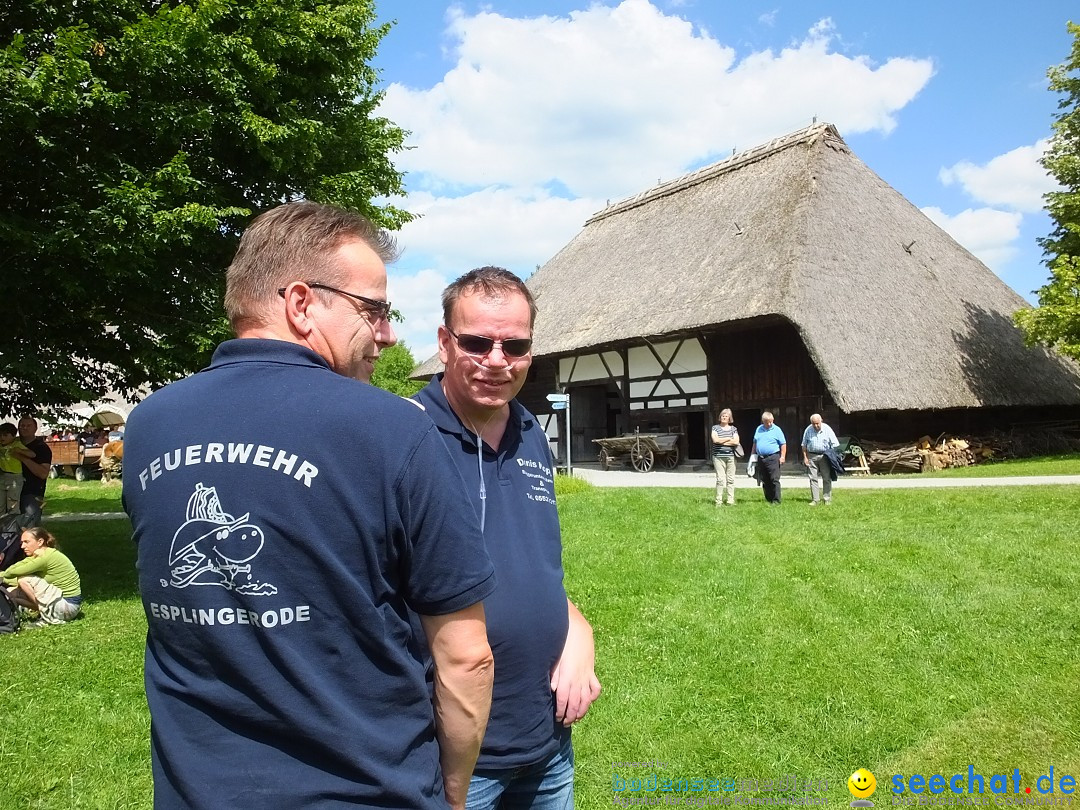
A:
1056, 322
138, 140
392, 371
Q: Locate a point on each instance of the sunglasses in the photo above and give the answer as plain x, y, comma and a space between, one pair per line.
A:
480, 345
381, 309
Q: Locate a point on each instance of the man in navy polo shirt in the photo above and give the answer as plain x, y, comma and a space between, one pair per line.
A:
771, 448
543, 647
290, 520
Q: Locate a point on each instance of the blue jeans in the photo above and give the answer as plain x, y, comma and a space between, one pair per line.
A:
31, 509
547, 785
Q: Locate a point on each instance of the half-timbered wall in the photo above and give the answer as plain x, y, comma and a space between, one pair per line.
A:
678, 384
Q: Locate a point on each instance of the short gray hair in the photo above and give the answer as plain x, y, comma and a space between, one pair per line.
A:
294, 242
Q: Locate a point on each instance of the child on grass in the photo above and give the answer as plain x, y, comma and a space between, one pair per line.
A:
12, 453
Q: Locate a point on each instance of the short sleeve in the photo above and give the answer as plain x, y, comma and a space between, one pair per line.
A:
448, 566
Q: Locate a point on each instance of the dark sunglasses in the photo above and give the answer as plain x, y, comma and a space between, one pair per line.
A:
480, 345
378, 308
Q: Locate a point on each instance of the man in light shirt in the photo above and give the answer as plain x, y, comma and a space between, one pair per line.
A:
816, 440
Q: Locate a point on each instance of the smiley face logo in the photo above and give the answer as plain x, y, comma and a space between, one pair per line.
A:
862, 784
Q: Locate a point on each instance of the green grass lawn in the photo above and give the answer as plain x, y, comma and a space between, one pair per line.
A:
907, 631
65, 495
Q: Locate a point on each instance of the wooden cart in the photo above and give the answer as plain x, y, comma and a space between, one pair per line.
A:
644, 450
69, 457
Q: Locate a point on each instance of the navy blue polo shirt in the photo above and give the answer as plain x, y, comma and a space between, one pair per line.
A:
527, 614
288, 520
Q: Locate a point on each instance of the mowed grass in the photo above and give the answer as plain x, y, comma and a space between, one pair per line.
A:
71, 697
65, 496
904, 631
907, 631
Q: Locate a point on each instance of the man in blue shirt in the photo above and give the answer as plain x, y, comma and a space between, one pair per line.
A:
543, 647
816, 440
771, 448
290, 521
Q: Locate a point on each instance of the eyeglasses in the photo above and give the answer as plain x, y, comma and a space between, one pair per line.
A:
381, 309
479, 345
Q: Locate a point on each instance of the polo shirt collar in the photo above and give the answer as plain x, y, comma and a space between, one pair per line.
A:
265, 350
433, 398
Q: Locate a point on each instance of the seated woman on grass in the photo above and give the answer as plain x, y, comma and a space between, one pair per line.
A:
45, 581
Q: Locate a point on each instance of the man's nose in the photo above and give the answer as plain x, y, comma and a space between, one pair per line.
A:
386, 336
499, 360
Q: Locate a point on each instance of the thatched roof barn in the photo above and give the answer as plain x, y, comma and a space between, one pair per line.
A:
789, 276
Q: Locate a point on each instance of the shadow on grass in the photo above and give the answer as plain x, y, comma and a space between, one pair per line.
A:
104, 556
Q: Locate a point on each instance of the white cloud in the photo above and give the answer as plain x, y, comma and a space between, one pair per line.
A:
986, 232
418, 296
1014, 180
513, 228
517, 228
607, 100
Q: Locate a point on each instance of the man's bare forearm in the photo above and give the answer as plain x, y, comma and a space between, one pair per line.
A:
464, 671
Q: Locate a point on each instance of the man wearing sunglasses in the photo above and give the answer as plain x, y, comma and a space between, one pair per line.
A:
543, 647
290, 520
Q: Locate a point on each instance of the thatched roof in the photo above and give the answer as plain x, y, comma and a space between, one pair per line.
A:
894, 313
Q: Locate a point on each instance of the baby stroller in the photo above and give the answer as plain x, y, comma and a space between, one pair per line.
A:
11, 529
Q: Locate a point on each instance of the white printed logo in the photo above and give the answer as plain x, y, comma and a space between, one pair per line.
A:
214, 548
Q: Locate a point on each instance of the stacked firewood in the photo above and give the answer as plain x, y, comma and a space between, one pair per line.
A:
927, 454
894, 458
946, 451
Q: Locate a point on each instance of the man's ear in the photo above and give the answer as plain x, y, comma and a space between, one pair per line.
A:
444, 344
299, 298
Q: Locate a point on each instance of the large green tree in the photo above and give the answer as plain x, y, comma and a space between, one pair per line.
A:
137, 138
392, 371
1056, 321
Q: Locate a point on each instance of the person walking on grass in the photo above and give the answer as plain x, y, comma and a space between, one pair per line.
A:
817, 440
725, 440
770, 445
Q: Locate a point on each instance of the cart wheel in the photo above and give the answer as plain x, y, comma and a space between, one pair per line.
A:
642, 458
82, 473
605, 459
670, 460
54, 472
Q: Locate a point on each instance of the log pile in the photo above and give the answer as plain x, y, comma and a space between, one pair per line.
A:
928, 454
902, 458
946, 451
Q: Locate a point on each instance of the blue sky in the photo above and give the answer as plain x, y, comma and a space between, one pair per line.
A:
526, 117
